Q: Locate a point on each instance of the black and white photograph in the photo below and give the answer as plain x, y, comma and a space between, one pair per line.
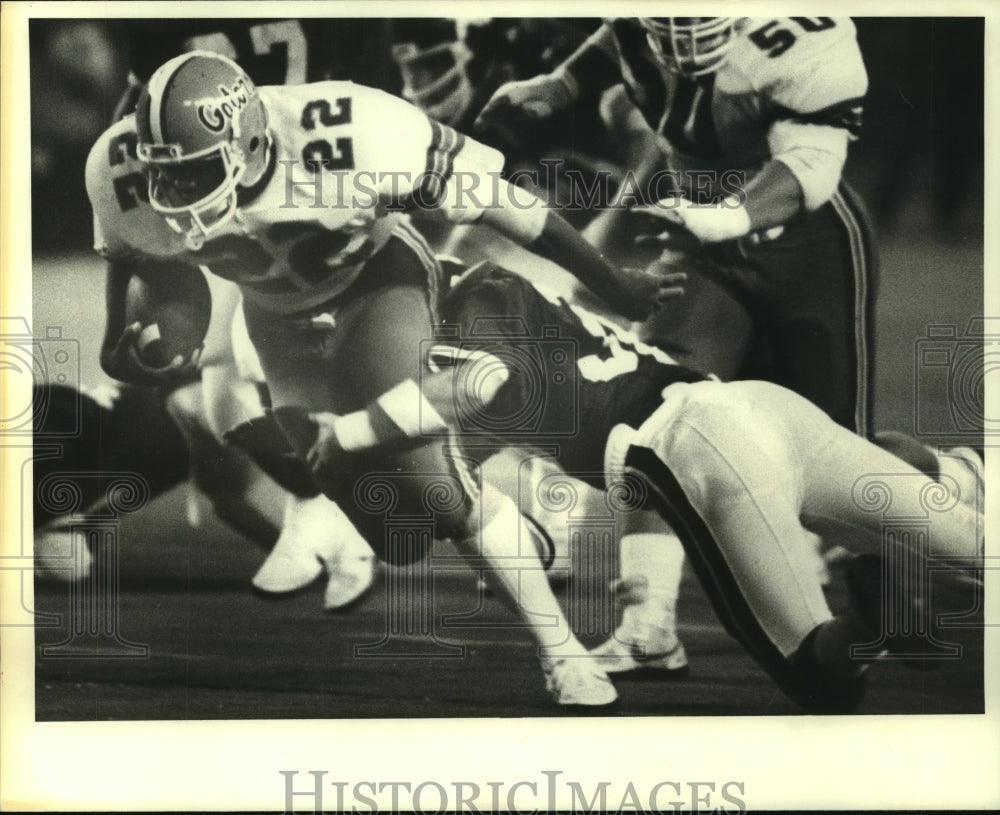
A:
411, 409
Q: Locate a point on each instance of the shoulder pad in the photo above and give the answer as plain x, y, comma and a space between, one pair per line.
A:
773, 48
124, 223
803, 64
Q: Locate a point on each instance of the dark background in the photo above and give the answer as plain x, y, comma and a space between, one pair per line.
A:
920, 160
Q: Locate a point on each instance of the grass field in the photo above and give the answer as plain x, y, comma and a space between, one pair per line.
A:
219, 651
216, 650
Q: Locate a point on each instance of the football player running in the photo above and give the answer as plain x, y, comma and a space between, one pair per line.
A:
228, 386
301, 195
743, 471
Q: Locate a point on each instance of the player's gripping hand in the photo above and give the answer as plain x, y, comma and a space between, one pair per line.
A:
122, 360
643, 291
313, 436
515, 106
326, 452
709, 223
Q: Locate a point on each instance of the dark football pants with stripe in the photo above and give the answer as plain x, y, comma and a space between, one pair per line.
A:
741, 471
796, 310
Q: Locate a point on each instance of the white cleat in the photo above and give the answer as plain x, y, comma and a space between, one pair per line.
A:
316, 534
578, 681
646, 640
657, 651
307, 540
58, 557
351, 576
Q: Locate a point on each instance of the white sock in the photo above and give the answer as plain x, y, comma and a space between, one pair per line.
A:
515, 573
657, 557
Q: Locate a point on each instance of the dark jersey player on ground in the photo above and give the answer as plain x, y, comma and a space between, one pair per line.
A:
741, 471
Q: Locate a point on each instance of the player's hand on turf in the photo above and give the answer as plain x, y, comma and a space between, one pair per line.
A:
645, 290
515, 106
123, 361
709, 223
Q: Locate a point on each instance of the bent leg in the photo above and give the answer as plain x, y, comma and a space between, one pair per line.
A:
719, 472
733, 470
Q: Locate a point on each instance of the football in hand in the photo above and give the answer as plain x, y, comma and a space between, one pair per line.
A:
173, 307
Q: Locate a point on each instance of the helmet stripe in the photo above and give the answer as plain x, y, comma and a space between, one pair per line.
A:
158, 83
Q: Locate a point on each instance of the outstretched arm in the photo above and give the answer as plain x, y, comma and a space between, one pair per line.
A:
525, 219
515, 106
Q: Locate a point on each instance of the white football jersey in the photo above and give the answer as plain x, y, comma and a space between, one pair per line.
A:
349, 162
785, 82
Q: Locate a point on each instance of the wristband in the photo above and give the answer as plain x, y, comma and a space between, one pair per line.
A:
409, 410
355, 431
708, 223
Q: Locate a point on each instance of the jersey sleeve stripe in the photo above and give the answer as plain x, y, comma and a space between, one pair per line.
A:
845, 114
446, 143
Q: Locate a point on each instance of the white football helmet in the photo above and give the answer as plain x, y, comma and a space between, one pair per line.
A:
695, 46
435, 77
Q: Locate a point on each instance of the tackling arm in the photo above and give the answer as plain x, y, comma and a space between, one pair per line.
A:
593, 67
802, 176
405, 412
590, 70
525, 219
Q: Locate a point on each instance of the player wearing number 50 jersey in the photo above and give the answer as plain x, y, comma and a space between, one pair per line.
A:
300, 195
754, 118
